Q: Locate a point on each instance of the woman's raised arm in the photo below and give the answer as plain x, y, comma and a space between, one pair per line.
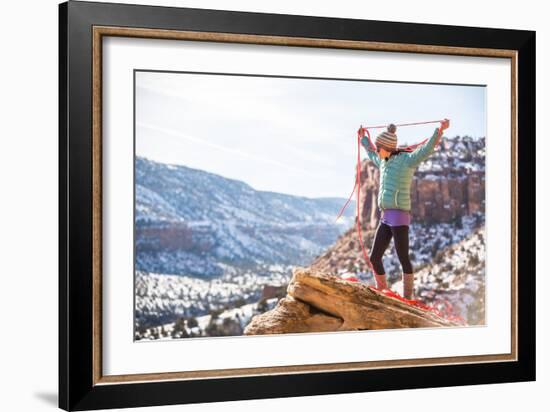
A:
371, 151
422, 152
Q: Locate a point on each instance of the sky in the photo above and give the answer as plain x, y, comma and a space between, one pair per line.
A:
295, 136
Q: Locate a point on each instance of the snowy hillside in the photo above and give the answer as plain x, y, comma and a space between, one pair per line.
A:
191, 222
163, 298
456, 156
457, 276
449, 260
225, 323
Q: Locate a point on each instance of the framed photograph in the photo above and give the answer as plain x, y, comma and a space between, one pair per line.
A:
259, 205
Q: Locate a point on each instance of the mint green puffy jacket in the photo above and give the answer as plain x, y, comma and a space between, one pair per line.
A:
397, 172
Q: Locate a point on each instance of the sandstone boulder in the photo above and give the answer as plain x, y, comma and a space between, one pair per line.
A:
320, 302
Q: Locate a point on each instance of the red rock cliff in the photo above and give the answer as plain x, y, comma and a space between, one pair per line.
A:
450, 184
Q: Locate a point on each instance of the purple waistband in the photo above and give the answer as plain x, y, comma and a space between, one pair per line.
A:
396, 217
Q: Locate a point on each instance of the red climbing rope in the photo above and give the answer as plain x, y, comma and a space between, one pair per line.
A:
409, 148
406, 124
357, 185
447, 312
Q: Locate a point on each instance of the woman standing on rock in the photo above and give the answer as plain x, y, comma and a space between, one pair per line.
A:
397, 168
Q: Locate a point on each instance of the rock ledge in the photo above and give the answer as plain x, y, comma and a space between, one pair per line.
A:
320, 302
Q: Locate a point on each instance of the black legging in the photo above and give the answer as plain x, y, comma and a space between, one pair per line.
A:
382, 239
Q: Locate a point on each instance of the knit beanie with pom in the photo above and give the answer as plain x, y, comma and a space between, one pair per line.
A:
387, 139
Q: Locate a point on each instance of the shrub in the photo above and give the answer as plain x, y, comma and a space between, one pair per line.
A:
192, 322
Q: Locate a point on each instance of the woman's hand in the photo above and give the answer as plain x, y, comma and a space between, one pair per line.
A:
362, 132
445, 124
